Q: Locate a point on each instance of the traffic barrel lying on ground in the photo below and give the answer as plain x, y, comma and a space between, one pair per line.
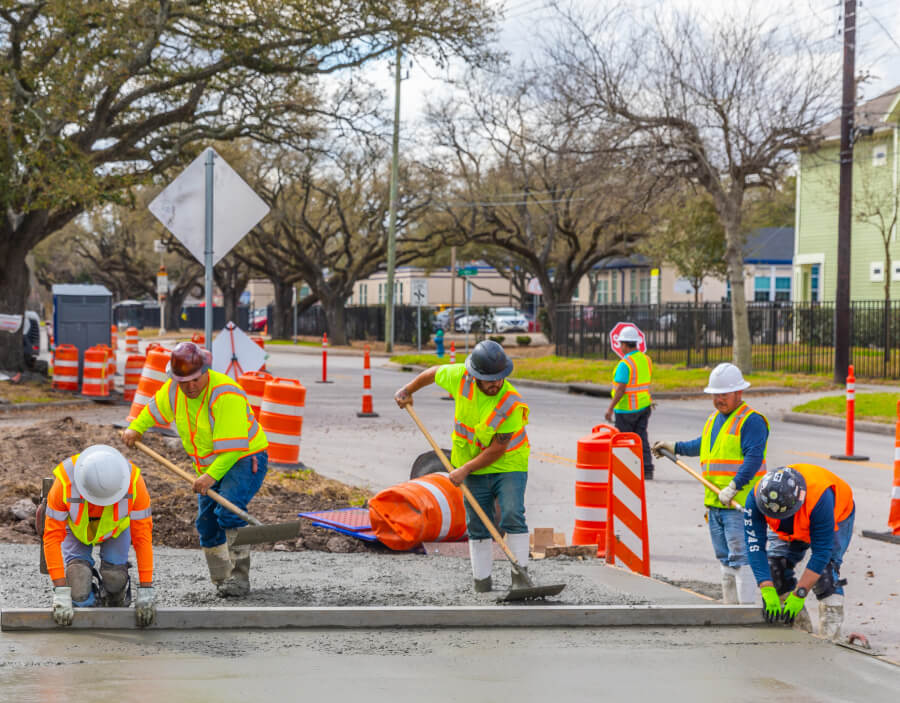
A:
94, 381
367, 409
281, 417
592, 487
65, 367
261, 343
131, 341
153, 375
254, 385
134, 364
428, 509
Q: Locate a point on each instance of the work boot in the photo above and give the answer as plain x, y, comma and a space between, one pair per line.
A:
519, 579
831, 616
219, 562
729, 585
747, 590
80, 580
483, 585
115, 585
238, 583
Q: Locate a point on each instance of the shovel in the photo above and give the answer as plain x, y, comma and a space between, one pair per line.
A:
532, 590
257, 532
709, 484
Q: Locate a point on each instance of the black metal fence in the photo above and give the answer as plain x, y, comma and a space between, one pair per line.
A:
366, 322
793, 337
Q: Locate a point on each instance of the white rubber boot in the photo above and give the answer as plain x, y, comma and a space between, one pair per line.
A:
218, 560
481, 554
747, 591
520, 546
729, 585
831, 616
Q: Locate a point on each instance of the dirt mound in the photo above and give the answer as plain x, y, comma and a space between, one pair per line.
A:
29, 454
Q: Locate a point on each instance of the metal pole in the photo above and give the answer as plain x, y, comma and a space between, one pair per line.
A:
451, 318
294, 307
208, 250
845, 199
468, 321
392, 227
419, 327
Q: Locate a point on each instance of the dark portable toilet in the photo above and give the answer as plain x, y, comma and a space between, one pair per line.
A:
82, 316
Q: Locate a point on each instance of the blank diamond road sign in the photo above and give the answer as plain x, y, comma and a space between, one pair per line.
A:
181, 207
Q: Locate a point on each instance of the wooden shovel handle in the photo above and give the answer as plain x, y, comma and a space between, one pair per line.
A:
709, 484
221, 500
495, 533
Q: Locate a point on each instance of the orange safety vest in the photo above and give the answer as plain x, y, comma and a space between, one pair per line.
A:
818, 480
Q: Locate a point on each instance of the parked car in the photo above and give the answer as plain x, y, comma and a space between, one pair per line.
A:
258, 319
441, 318
509, 320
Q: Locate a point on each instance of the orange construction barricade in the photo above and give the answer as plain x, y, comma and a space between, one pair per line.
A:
131, 341
254, 385
592, 487
65, 367
114, 337
281, 417
427, 509
153, 375
94, 382
627, 538
134, 364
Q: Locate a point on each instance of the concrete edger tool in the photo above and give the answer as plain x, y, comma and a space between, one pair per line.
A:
711, 486
533, 590
257, 532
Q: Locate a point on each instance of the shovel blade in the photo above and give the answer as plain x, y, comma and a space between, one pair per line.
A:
531, 593
259, 534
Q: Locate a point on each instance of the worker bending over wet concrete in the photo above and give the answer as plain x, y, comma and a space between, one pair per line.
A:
490, 450
220, 433
732, 452
806, 507
98, 497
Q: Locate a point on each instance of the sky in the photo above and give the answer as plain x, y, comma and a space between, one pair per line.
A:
878, 40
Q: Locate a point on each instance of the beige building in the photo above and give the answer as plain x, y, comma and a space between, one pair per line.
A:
486, 287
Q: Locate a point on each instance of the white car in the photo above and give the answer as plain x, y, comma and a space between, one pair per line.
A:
509, 320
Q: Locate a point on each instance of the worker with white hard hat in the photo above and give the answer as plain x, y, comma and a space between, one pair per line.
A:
732, 451
98, 497
631, 403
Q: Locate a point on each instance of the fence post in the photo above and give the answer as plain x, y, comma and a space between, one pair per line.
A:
773, 332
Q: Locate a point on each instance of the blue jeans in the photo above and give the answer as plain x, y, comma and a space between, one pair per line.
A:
113, 551
726, 528
795, 551
238, 485
509, 491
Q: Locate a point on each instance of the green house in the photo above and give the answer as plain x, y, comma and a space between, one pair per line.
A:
876, 179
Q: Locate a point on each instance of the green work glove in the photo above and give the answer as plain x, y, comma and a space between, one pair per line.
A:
771, 603
792, 606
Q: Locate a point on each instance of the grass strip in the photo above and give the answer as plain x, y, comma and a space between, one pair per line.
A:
873, 407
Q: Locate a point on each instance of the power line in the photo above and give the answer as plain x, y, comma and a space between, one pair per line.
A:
884, 29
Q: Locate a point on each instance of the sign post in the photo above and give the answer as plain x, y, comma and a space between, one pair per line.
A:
465, 272
162, 288
419, 294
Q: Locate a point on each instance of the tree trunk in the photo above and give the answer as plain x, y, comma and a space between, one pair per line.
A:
13, 294
174, 302
740, 324
281, 326
335, 319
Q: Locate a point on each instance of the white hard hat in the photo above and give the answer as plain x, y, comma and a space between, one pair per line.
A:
102, 474
726, 378
630, 334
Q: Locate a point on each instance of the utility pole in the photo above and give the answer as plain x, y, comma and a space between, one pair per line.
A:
392, 226
451, 318
845, 199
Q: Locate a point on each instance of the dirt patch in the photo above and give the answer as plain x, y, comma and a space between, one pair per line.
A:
28, 454
33, 390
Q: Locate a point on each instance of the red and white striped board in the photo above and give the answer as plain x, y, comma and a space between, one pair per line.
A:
627, 536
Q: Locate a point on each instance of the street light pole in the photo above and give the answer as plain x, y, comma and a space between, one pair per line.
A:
392, 226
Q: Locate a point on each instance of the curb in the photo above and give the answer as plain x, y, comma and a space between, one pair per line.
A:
837, 423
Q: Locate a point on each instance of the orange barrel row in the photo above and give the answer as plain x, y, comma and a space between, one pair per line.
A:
592, 487
427, 509
131, 341
94, 381
134, 364
254, 384
281, 417
65, 367
153, 375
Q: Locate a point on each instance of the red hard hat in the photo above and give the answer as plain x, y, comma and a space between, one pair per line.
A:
189, 361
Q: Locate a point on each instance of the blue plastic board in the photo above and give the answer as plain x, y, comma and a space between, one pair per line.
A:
353, 519
366, 535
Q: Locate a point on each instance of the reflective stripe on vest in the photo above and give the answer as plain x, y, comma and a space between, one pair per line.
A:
467, 386
637, 389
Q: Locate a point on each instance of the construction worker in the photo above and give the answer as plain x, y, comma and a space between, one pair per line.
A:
98, 497
806, 507
732, 451
220, 433
490, 450
630, 405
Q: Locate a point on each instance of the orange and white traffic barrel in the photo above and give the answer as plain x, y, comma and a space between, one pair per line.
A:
65, 367
367, 409
254, 385
281, 417
110, 361
627, 538
592, 487
114, 338
198, 338
153, 375
95, 382
427, 509
131, 341
134, 364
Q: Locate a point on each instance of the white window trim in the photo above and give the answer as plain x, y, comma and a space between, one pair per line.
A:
801, 260
876, 271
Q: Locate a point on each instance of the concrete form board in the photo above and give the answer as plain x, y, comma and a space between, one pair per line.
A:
453, 617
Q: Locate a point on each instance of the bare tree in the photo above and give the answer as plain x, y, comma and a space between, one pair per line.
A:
725, 104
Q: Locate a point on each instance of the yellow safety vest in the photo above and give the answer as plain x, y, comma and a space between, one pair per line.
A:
474, 429
637, 390
242, 431
114, 519
721, 461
